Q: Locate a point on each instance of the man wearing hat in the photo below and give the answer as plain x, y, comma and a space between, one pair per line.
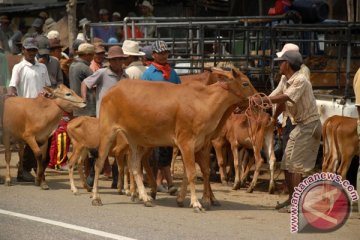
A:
298, 100
52, 64
38, 26
135, 67
160, 70
104, 32
99, 57
146, 10
104, 79
28, 79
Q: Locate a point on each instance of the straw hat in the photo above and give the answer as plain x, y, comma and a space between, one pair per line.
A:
132, 48
148, 5
86, 48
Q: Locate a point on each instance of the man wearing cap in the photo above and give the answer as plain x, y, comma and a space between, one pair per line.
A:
104, 79
146, 10
79, 70
38, 27
51, 63
160, 70
104, 32
27, 80
135, 67
304, 140
98, 61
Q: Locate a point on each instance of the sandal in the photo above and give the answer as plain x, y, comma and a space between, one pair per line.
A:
282, 205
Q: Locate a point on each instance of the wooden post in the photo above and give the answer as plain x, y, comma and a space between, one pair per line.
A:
331, 8
71, 11
350, 10
261, 10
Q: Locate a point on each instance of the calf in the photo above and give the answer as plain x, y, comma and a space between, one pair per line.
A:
252, 132
340, 144
152, 114
33, 120
84, 134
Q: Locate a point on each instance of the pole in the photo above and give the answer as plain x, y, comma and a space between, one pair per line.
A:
71, 12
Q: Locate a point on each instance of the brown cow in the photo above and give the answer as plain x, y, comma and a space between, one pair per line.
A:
33, 120
152, 114
253, 132
340, 145
84, 134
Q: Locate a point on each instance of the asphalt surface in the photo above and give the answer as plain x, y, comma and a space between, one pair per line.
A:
27, 212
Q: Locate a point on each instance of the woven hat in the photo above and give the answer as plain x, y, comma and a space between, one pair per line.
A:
148, 5
287, 47
132, 48
293, 57
116, 52
44, 45
86, 48
30, 43
160, 46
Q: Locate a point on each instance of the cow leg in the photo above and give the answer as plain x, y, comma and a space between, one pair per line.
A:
120, 162
149, 173
218, 147
73, 159
183, 188
6, 141
107, 139
247, 166
43, 163
189, 162
38, 156
258, 162
238, 158
203, 159
270, 155
346, 159
136, 153
83, 162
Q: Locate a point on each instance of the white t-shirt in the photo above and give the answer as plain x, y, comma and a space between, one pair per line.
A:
29, 79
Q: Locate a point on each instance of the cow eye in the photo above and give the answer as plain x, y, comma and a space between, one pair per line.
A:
68, 94
245, 84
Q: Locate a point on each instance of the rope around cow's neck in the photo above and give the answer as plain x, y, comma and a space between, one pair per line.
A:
255, 108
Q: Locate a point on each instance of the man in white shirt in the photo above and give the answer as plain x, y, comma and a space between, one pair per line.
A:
135, 68
27, 80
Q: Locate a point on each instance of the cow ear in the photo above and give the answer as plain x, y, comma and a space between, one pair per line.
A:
221, 75
48, 89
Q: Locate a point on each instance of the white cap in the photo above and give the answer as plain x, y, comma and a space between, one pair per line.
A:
287, 47
53, 34
147, 4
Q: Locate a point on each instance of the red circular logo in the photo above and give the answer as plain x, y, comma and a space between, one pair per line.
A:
325, 206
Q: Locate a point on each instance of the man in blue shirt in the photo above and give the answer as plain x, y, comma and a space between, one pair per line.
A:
160, 70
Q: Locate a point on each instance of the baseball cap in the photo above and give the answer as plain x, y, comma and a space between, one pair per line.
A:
43, 44
30, 43
159, 46
148, 52
288, 47
293, 57
84, 21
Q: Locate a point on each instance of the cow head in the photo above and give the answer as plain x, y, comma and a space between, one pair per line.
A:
235, 82
65, 98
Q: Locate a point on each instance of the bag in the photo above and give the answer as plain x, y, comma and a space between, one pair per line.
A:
311, 11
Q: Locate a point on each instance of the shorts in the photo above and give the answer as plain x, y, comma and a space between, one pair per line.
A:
302, 148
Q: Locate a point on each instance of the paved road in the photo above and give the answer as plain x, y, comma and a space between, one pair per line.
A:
26, 212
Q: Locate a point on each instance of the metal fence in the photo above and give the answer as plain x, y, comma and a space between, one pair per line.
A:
248, 43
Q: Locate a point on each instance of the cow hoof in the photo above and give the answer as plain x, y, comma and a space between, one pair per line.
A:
271, 190
180, 204
250, 190
153, 195
215, 203
44, 186
96, 202
236, 186
206, 205
198, 210
148, 204
77, 193
133, 198
8, 183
